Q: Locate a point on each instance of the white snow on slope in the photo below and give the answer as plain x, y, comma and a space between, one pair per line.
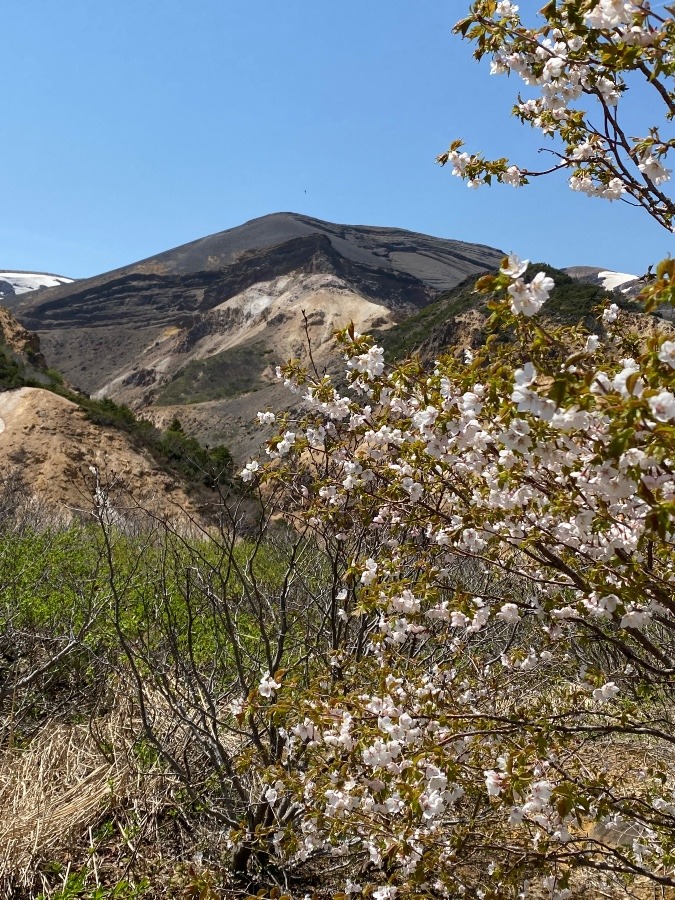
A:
609, 280
22, 282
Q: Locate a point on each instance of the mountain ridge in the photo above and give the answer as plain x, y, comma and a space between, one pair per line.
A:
438, 263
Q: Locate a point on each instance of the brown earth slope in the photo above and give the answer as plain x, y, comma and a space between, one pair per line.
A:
49, 442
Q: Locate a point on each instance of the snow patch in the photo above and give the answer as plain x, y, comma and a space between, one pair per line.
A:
22, 282
612, 280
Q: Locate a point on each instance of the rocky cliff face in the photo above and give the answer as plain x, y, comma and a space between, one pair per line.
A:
19, 341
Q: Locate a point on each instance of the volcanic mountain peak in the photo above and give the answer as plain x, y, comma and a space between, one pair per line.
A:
277, 241
437, 262
206, 323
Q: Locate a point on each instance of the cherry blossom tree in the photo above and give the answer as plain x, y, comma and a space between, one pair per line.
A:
578, 64
509, 718
494, 717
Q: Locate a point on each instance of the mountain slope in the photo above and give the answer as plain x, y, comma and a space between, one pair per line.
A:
456, 320
50, 442
53, 434
197, 331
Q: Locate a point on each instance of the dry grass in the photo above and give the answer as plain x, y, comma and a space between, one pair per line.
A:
78, 796
49, 792
58, 789
87, 799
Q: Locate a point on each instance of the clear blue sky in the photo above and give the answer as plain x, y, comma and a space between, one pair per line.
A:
132, 126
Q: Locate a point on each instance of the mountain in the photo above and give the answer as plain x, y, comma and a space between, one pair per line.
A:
456, 320
196, 332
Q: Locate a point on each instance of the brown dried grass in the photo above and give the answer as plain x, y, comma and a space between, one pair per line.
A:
59, 787
73, 795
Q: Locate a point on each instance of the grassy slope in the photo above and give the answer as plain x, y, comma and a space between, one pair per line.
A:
571, 301
225, 374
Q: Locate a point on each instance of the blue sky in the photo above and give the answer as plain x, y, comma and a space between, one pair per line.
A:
132, 126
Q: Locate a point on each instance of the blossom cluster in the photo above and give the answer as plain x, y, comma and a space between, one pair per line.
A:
577, 68
498, 520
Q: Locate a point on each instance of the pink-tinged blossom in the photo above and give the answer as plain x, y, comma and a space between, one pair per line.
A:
505, 9
509, 613
611, 314
237, 706
662, 406
608, 691
425, 418
283, 447
413, 489
601, 607
637, 618
386, 892
405, 603
541, 286
582, 183
540, 791
512, 176
553, 69
524, 377
459, 161
667, 353
528, 299
439, 612
370, 363
471, 402
381, 753
268, 686
248, 472
619, 382
653, 168
305, 731
272, 793
494, 782
610, 94
370, 572
585, 151
316, 437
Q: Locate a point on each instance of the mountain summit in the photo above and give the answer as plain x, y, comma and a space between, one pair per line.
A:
436, 262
